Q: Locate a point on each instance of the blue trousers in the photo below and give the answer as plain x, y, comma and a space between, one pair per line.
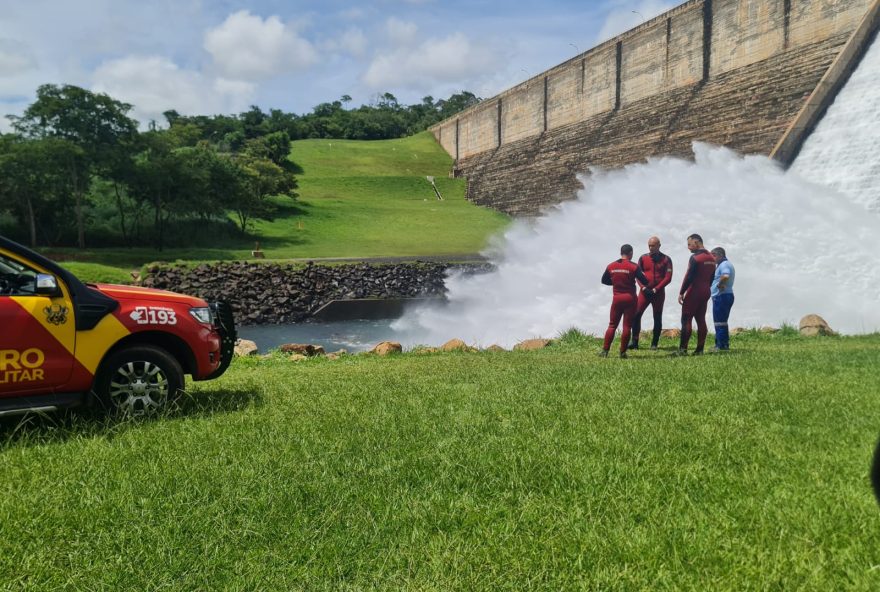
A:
721, 306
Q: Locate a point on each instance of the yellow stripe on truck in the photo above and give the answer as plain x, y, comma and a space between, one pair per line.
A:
92, 345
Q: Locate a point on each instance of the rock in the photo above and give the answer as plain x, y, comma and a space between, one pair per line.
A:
425, 350
386, 347
304, 349
339, 352
245, 347
673, 333
454, 345
738, 330
532, 344
813, 325
768, 329
332, 356
495, 348
298, 357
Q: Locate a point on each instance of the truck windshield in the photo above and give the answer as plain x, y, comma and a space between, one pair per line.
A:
16, 279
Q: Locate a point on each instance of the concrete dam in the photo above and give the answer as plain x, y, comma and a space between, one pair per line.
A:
752, 75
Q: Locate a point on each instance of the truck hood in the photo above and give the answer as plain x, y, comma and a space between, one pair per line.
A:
118, 292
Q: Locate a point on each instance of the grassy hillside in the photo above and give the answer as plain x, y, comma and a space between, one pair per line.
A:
547, 470
357, 199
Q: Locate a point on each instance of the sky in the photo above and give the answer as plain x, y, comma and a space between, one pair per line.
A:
210, 57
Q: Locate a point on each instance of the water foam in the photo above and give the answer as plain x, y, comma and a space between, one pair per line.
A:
844, 150
798, 248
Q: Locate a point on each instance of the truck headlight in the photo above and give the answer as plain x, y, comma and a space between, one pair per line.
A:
202, 315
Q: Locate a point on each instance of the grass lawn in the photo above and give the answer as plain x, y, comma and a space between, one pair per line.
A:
548, 470
357, 199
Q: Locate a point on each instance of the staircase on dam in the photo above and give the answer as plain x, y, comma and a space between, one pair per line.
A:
769, 69
843, 152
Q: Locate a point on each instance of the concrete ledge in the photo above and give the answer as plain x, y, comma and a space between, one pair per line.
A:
786, 150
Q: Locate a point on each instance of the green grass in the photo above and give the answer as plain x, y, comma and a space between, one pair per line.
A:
357, 199
548, 470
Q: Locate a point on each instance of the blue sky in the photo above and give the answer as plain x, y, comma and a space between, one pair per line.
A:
220, 56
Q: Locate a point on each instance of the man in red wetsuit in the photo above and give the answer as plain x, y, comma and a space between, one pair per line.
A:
694, 294
657, 267
621, 275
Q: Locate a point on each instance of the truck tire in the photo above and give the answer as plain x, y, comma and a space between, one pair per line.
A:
139, 380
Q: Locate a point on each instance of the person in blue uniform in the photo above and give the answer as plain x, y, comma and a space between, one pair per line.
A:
722, 297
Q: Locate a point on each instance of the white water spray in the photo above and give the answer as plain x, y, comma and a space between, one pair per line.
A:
843, 152
798, 248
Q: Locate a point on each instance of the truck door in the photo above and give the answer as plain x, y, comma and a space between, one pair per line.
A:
37, 332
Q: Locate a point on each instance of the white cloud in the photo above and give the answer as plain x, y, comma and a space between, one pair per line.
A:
247, 47
15, 58
352, 41
155, 84
401, 33
629, 14
454, 59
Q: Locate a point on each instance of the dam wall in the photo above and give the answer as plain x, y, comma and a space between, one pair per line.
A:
729, 72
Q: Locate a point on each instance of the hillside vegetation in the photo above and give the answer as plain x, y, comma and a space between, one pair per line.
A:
550, 470
356, 199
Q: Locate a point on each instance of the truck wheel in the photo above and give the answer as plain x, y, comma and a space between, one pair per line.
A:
139, 380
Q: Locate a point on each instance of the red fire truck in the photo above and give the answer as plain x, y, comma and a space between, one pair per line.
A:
64, 343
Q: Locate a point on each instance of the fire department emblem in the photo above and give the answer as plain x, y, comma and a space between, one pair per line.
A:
56, 314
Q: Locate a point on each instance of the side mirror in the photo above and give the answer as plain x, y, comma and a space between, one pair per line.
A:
47, 285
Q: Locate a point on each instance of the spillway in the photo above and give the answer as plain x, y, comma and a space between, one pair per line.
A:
802, 240
843, 152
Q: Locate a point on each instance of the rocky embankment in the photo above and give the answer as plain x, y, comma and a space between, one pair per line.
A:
264, 293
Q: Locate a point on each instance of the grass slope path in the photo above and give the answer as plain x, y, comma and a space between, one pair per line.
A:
546, 470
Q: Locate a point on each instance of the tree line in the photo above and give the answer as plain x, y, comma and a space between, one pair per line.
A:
77, 166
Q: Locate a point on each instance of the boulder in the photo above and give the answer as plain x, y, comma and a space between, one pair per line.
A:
673, 333
304, 349
813, 325
386, 347
298, 357
245, 347
738, 330
422, 349
768, 329
495, 348
532, 344
454, 345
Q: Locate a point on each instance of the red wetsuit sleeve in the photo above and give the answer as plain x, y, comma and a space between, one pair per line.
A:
642, 278
667, 278
689, 276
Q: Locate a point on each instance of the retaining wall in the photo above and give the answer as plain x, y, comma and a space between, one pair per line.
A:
732, 72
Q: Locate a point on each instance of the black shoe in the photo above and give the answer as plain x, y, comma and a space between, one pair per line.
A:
603, 354
653, 348
679, 353
633, 346
623, 355
698, 352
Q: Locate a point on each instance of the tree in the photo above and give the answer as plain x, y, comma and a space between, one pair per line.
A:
93, 122
32, 179
257, 180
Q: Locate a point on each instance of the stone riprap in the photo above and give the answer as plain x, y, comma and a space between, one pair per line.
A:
269, 293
